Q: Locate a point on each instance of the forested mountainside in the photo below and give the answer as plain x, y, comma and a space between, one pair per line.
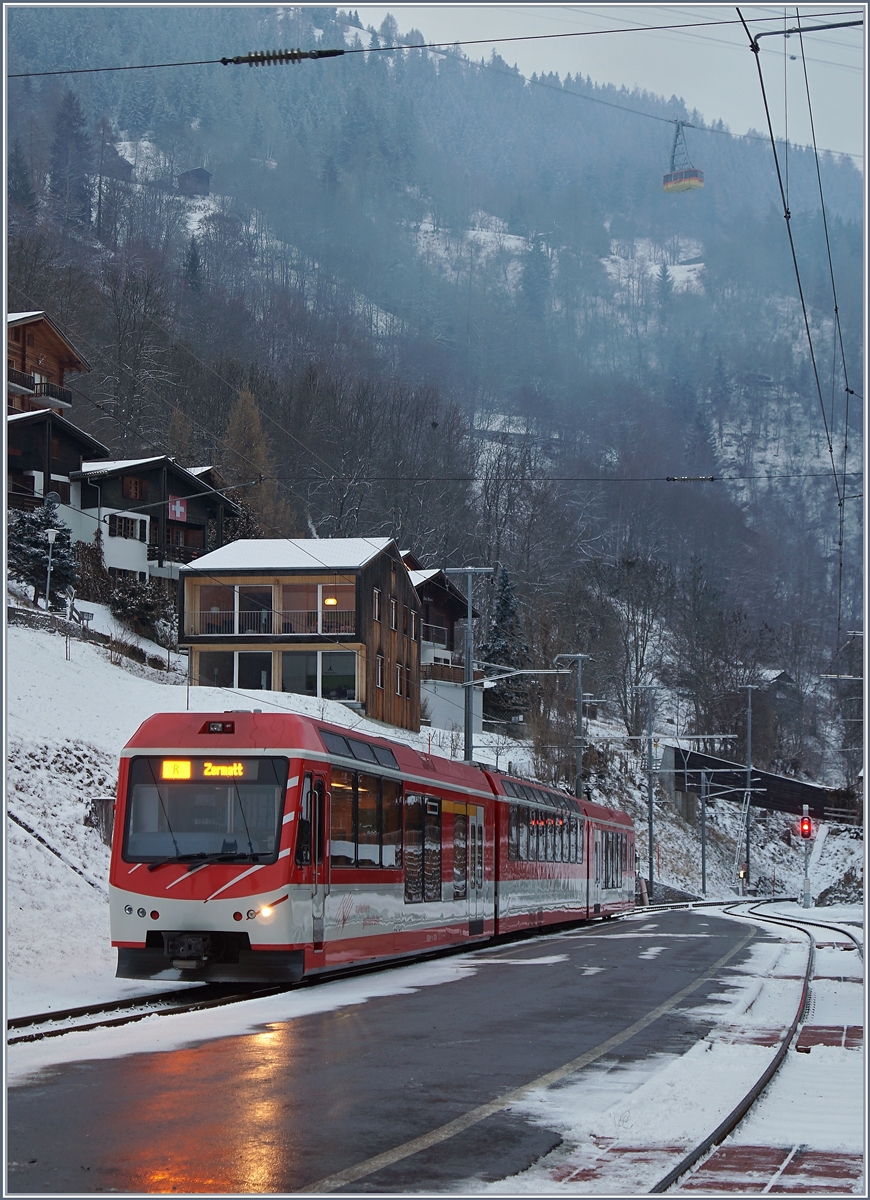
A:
460, 308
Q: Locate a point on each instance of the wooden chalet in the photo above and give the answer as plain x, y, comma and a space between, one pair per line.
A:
156, 514
333, 618
195, 182
39, 356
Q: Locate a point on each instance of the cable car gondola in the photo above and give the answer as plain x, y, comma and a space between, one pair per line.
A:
682, 175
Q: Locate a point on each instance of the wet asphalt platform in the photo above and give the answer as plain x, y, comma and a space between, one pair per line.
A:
304, 1101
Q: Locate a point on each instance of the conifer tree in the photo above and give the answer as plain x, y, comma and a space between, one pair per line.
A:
180, 439
19, 188
27, 555
71, 162
506, 646
247, 459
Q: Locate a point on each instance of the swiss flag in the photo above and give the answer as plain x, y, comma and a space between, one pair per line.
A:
177, 508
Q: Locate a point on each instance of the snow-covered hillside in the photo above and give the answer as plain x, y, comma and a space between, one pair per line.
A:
68, 719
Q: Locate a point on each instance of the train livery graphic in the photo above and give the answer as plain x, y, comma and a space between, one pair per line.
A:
257, 847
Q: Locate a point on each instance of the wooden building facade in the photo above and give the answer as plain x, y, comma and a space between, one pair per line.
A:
336, 619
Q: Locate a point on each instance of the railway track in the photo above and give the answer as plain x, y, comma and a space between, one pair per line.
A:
215, 995
126, 1012
752, 1095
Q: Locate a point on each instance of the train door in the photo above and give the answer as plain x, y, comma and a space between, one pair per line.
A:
597, 894
476, 909
319, 859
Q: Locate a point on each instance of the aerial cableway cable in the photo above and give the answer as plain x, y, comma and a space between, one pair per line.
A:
839, 337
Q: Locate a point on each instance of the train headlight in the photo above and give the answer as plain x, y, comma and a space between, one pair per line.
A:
251, 914
265, 911
128, 909
140, 912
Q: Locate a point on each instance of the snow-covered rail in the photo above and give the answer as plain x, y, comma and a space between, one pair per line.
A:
125, 1012
737, 1114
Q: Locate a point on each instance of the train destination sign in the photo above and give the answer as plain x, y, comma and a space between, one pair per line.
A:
186, 768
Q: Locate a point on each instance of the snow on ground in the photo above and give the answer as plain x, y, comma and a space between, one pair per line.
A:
625, 1125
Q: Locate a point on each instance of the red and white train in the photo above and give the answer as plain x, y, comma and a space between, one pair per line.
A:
264, 847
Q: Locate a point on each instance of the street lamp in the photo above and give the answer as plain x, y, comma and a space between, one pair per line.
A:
51, 534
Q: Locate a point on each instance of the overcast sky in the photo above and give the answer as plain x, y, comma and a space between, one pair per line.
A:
711, 69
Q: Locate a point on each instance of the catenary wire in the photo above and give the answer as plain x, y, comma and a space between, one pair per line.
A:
536, 37
439, 48
755, 50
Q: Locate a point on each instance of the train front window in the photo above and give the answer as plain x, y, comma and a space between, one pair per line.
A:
197, 808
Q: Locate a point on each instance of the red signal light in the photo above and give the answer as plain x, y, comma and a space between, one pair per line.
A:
806, 827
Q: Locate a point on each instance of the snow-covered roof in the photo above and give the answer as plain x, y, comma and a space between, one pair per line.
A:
39, 314
57, 420
418, 577
198, 470
289, 554
117, 464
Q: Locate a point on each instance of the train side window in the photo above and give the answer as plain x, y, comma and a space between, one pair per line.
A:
391, 823
513, 833
368, 837
342, 834
533, 834
523, 840
565, 827
460, 857
550, 828
581, 837
303, 833
413, 849
432, 850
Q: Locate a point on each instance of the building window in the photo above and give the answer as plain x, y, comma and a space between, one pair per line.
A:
376, 604
134, 488
398, 679
255, 671
379, 671
408, 682
327, 674
394, 613
216, 668
127, 527
414, 619
61, 488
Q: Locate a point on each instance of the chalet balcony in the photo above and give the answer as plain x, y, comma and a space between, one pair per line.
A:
305, 623
435, 635
174, 554
20, 383
54, 393
23, 501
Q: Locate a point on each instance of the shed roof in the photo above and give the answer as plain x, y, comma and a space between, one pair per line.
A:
291, 554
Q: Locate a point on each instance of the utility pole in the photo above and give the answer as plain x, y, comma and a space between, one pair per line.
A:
470, 572
750, 688
705, 791
51, 534
649, 688
578, 772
